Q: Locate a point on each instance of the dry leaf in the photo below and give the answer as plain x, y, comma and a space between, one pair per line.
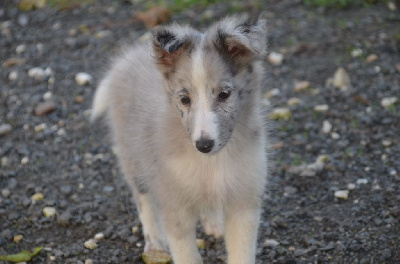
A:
154, 16
13, 62
26, 5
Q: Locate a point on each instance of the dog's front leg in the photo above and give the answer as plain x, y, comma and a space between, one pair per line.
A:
241, 234
180, 229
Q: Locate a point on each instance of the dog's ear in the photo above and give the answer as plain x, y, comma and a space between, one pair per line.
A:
240, 40
168, 45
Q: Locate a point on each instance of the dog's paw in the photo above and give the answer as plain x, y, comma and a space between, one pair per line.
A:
154, 244
213, 228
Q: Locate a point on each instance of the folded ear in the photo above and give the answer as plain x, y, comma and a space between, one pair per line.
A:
169, 43
240, 40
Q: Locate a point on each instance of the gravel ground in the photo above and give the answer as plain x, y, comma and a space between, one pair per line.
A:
48, 147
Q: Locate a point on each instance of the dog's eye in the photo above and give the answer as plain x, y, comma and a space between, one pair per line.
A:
185, 100
222, 96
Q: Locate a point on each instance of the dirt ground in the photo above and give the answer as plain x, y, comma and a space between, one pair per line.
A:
61, 155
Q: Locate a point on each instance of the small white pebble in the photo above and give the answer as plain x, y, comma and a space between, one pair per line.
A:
275, 58
321, 108
26, 127
40, 127
81, 186
318, 218
24, 160
377, 69
20, 48
322, 158
388, 101
138, 244
5, 193
5, 128
326, 127
52, 258
367, 169
386, 143
72, 32
281, 113
37, 197
56, 26
371, 58
36, 73
392, 6
48, 71
294, 101
384, 157
13, 75
61, 132
272, 93
392, 172
342, 194
89, 261
341, 79
356, 53
4, 162
103, 34
351, 186
40, 47
90, 244
335, 135
99, 236
135, 229
49, 211
362, 181
271, 243
51, 80
301, 86
47, 95
200, 243
376, 187
83, 78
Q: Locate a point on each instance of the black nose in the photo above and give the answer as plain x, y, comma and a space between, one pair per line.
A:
204, 145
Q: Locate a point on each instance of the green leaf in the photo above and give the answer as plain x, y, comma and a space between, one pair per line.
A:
23, 256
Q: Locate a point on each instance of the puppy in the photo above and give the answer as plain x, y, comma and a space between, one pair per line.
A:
187, 122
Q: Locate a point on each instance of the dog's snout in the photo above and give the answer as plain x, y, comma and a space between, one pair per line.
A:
205, 145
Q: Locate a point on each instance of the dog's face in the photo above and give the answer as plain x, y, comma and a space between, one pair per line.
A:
208, 76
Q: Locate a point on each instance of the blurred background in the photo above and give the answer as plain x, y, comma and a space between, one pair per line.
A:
332, 86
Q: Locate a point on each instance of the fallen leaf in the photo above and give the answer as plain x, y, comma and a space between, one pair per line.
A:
26, 5
156, 257
361, 99
154, 16
23, 256
13, 62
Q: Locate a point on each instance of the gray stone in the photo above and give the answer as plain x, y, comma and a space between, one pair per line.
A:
64, 219
5, 129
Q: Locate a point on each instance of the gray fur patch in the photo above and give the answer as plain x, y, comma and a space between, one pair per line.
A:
140, 184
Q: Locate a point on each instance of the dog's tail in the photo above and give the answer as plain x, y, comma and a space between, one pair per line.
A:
100, 101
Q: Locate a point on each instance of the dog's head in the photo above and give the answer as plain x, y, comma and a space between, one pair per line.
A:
209, 76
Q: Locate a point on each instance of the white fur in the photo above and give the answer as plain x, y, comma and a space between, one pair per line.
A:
173, 183
100, 100
205, 119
